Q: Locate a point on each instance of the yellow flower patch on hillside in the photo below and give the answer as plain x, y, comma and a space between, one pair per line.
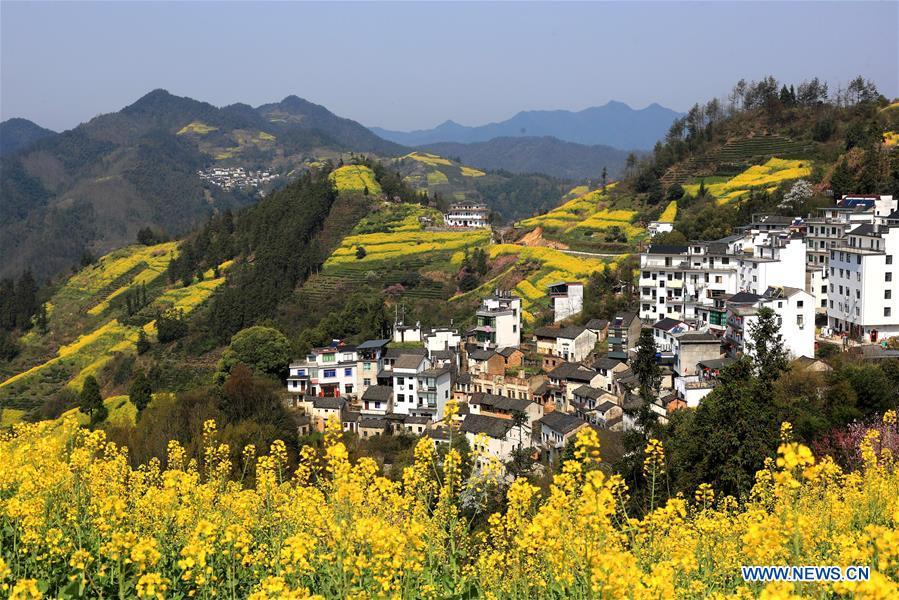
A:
670, 213
197, 127
769, 175
354, 179
471, 172
389, 246
891, 138
429, 159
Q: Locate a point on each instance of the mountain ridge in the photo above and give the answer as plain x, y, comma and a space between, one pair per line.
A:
545, 154
613, 124
18, 133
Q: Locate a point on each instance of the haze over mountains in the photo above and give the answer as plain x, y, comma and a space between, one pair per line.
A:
614, 124
536, 155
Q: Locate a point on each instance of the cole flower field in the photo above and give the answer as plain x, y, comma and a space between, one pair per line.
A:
767, 176
585, 214
76, 521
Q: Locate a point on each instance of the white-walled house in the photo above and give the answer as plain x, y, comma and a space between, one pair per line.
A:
493, 436
329, 371
418, 389
499, 321
780, 261
795, 312
571, 343
467, 214
567, 299
863, 298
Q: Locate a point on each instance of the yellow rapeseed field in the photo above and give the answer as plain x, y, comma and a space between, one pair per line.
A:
429, 159
77, 521
355, 178
197, 127
670, 212
766, 176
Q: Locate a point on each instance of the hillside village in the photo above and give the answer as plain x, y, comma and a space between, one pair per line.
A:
826, 278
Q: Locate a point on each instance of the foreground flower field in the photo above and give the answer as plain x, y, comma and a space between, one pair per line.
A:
77, 521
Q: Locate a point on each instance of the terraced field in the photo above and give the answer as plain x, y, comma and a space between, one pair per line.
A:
735, 156
543, 267
87, 326
759, 177
586, 219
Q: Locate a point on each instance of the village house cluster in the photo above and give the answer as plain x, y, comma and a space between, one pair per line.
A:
534, 391
230, 178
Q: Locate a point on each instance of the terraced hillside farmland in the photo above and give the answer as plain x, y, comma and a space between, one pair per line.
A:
532, 270
439, 175
735, 156
402, 245
89, 324
759, 177
591, 222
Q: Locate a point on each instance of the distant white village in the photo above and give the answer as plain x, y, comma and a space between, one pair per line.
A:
231, 178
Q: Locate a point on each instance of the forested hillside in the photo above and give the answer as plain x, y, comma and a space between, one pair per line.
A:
90, 189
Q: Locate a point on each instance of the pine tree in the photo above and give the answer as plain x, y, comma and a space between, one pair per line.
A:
767, 346
143, 342
140, 393
91, 400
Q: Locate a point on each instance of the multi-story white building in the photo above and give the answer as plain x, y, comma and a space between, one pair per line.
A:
418, 388
467, 214
567, 299
863, 300
499, 321
329, 371
441, 338
795, 310
676, 281
778, 260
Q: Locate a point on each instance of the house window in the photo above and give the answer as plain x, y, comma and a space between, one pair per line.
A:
366, 366
799, 304
888, 276
887, 311
399, 381
400, 398
366, 382
348, 388
330, 373
377, 404
327, 358
348, 372
889, 259
887, 294
301, 372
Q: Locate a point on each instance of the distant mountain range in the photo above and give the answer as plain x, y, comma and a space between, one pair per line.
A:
547, 155
91, 188
16, 134
615, 124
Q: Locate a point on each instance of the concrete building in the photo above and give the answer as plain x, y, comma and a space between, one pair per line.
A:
467, 214
778, 261
795, 313
624, 333
567, 299
675, 281
571, 343
863, 300
499, 321
328, 372
493, 437
418, 389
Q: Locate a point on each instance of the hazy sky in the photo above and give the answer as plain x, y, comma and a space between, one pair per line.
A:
405, 65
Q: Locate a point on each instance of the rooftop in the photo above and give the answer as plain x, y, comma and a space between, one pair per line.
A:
378, 393
561, 422
491, 426
496, 402
573, 371
567, 333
